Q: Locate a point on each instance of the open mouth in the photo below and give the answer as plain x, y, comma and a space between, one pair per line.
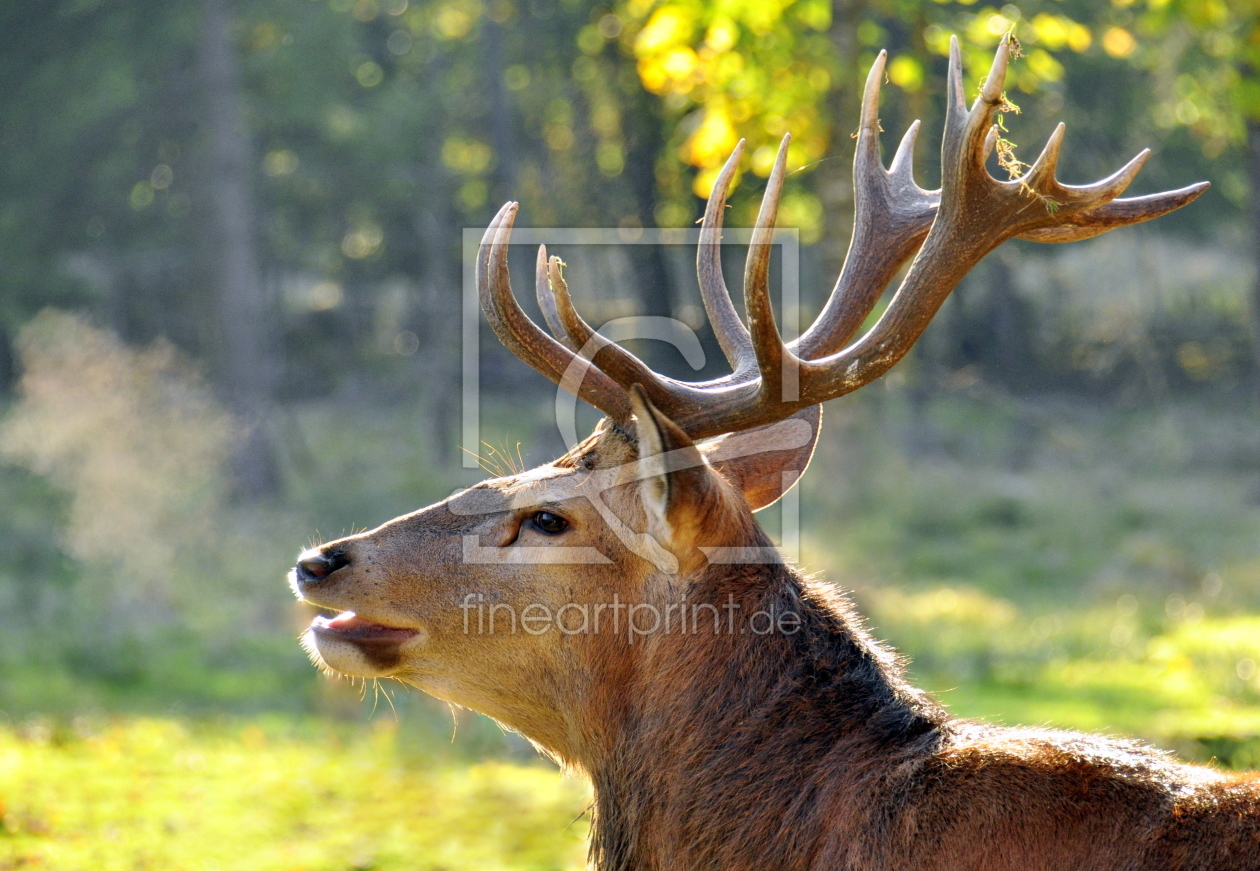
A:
352, 627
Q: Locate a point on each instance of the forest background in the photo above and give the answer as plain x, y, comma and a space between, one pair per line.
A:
230, 308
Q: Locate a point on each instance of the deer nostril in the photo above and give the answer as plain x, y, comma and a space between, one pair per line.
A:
320, 565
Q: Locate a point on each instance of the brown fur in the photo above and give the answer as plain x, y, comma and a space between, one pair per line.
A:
731, 750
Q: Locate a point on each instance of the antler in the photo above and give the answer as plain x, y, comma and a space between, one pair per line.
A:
951, 229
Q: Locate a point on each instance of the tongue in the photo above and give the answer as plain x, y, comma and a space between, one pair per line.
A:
351, 625
345, 620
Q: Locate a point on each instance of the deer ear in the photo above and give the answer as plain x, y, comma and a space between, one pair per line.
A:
673, 473
766, 462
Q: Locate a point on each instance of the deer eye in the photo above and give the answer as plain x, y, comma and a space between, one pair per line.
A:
551, 524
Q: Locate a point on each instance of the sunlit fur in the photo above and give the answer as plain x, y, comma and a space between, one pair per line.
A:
720, 750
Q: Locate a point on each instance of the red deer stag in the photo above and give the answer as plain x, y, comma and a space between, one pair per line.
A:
757, 725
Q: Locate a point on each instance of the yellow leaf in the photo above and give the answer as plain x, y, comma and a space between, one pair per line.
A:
906, 73
1079, 37
653, 75
669, 26
713, 140
1118, 42
702, 186
679, 63
1052, 30
722, 34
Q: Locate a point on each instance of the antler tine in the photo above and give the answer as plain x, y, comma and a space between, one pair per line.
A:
971, 136
1117, 213
955, 95
729, 330
618, 364
892, 217
624, 367
1047, 163
509, 322
902, 166
995, 81
485, 286
868, 121
575, 327
523, 337
977, 213
1041, 177
547, 300
675, 398
766, 341
1094, 208
1102, 192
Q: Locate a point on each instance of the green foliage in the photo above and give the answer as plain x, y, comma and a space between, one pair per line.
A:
732, 70
160, 793
379, 129
762, 67
83, 130
1208, 51
1199, 62
1040, 502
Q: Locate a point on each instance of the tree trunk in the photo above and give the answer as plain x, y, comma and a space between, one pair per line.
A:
243, 363
1253, 177
833, 179
438, 320
8, 365
502, 138
643, 145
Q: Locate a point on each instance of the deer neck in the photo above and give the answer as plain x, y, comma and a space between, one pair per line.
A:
743, 717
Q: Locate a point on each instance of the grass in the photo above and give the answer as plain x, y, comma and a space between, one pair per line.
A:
1188, 684
263, 795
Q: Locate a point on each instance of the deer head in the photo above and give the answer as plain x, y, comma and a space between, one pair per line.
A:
503, 598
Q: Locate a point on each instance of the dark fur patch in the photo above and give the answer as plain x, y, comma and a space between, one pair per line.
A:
384, 653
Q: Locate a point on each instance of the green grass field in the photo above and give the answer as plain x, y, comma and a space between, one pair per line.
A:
1189, 684
165, 795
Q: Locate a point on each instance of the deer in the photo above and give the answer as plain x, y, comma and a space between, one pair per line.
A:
754, 722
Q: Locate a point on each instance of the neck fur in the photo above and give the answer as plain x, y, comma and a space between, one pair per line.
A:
713, 736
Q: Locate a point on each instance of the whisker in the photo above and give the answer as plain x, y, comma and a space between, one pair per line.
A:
385, 692
480, 461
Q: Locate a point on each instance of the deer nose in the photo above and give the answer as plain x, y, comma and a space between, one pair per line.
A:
317, 565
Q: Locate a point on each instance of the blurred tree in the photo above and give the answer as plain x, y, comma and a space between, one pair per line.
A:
369, 133
1204, 56
731, 70
228, 241
86, 121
